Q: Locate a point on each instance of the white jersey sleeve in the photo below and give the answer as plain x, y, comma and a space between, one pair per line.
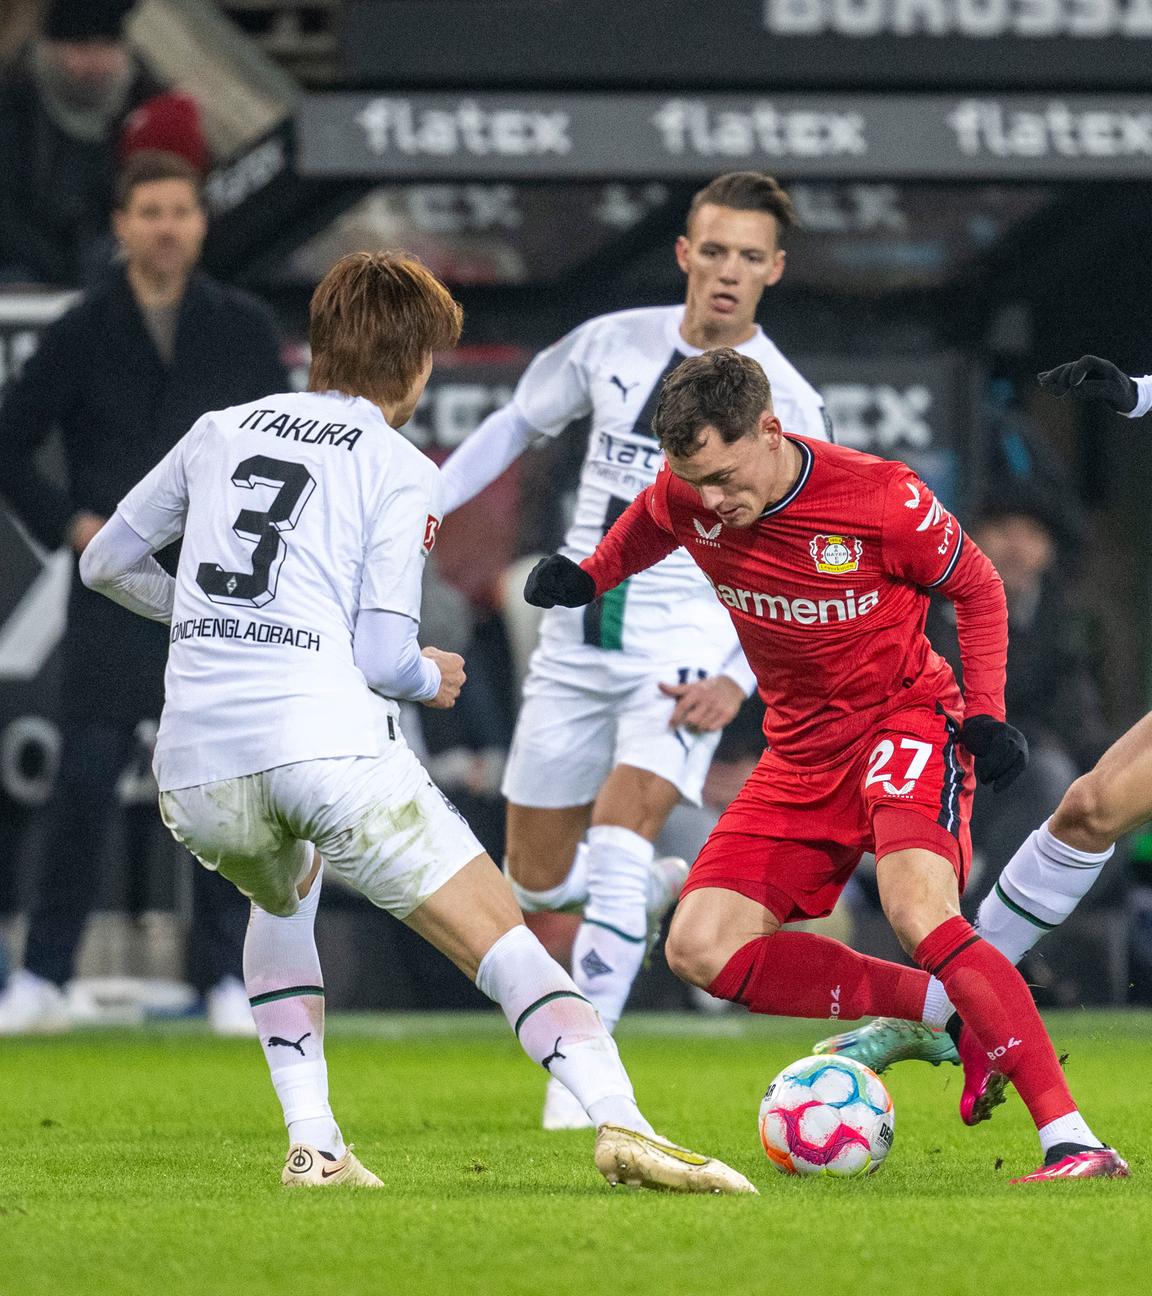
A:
403, 531
554, 390
1143, 397
157, 506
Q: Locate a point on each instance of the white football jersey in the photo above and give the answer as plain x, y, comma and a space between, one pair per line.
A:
297, 511
612, 368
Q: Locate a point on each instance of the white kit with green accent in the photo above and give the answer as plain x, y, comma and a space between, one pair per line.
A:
610, 370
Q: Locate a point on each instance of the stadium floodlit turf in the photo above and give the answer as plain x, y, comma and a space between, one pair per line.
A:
146, 1162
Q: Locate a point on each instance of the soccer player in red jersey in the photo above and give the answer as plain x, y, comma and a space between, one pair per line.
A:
825, 559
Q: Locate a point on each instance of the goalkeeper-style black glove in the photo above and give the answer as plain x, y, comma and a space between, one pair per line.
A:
1091, 378
558, 580
1001, 751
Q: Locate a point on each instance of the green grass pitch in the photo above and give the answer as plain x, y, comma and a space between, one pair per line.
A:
146, 1163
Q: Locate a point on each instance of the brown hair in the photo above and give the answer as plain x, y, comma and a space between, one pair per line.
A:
149, 165
721, 389
374, 320
746, 191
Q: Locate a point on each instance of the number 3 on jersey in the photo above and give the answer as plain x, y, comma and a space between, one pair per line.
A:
258, 587
879, 770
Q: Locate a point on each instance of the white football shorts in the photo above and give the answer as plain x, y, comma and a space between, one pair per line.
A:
576, 726
379, 822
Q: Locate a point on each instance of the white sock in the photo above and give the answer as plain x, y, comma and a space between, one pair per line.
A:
1038, 888
558, 1028
612, 940
937, 1006
286, 989
1067, 1129
569, 894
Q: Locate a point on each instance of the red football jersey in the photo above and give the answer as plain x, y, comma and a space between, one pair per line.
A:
829, 592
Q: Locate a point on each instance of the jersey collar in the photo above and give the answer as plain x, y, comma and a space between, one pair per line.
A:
807, 459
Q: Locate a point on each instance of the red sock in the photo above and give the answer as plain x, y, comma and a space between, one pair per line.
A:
797, 974
996, 1005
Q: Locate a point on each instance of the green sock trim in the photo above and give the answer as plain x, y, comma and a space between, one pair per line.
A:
546, 999
1023, 913
290, 993
636, 940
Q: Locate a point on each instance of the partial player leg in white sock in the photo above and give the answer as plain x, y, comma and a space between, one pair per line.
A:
611, 942
286, 989
1068, 1129
1039, 887
558, 1028
570, 894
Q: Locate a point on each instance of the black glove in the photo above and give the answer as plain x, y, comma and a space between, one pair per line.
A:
1001, 752
558, 580
1091, 378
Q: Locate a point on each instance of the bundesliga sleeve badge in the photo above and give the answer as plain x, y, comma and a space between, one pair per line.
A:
835, 554
431, 527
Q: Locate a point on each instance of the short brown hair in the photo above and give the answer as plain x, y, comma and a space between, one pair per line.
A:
149, 165
721, 389
746, 191
374, 320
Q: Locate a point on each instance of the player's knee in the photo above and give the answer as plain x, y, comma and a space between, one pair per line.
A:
691, 953
913, 917
1087, 818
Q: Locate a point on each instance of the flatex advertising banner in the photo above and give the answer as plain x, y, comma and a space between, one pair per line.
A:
420, 136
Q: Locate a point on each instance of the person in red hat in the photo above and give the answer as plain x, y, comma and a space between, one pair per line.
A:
63, 105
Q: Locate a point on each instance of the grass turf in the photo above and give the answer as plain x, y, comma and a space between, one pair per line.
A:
146, 1162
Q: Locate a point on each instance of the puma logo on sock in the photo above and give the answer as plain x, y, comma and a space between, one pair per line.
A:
275, 1039
547, 1062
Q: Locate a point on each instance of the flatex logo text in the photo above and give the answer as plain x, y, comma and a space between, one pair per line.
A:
984, 127
402, 126
694, 126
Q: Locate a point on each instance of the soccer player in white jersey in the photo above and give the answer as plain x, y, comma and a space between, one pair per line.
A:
625, 699
1057, 864
306, 519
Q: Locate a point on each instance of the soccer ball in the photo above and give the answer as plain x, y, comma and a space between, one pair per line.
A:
827, 1115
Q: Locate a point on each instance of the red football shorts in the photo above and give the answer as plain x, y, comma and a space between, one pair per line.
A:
793, 836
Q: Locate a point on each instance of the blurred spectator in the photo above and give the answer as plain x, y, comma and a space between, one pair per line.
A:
121, 377
1052, 693
63, 103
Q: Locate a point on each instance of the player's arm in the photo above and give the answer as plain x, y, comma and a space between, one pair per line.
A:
406, 518
705, 705
476, 463
551, 393
1091, 378
389, 657
118, 561
119, 564
924, 544
635, 542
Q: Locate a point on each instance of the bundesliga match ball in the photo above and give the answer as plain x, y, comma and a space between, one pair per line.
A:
827, 1115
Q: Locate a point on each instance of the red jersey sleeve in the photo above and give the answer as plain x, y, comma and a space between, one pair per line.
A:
925, 545
639, 538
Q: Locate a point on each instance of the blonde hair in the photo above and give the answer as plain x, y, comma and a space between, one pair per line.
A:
375, 318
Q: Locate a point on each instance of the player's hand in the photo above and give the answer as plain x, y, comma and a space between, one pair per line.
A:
82, 530
452, 677
1001, 751
704, 705
558, 580
1091, 378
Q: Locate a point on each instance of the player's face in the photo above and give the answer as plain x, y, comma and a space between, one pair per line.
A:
161, 230
736, 480
730, 257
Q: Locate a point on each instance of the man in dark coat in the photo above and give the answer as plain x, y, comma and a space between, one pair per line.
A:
122, 376
62, 105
